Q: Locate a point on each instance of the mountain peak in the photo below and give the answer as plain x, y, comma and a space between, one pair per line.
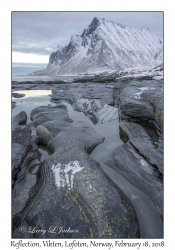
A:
96, 21
59, 47
106, 45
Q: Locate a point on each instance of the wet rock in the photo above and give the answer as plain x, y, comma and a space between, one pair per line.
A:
43, 134
133, 107
136, 170
17, 154
13, 104
80, 188
19, 119
17, 95
72, 92
21, 135
142, 101
95, 79
72, 191
140, 160
70, 182
128, 79
139, 138
116, 77
55, 119
24, 180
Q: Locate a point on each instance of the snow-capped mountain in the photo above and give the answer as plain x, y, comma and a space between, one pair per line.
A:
105, 45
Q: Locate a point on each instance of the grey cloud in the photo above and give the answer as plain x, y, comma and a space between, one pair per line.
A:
33, 49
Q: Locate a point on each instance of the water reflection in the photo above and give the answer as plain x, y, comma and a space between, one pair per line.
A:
33, 93
31, 100
110, 130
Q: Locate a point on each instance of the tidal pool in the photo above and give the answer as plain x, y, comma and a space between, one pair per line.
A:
31, 100
150, 222
110, 130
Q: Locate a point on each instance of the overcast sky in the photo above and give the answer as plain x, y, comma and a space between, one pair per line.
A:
39, 33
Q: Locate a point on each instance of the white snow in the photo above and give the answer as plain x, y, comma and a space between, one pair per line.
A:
64, 174
90, 188
107, 113
138, 94
109, 46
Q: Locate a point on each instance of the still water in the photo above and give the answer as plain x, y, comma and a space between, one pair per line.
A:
31, 100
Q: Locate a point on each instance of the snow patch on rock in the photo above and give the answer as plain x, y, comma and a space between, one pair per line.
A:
138, 94
64, 174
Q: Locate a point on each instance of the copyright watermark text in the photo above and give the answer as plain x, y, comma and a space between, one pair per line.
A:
51, 230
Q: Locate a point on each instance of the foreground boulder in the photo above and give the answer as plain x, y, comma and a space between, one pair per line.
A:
43, 134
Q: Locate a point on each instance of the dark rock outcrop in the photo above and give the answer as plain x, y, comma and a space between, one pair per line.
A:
17, 95
136, 170
19, 119
25, 179
25, 158
140, 140
140, 159
21, 135
13, 104
142, 101
17, 153
71, 189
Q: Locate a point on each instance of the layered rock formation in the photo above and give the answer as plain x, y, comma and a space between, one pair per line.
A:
70, 189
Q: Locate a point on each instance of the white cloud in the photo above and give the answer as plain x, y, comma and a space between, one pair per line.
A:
29, 58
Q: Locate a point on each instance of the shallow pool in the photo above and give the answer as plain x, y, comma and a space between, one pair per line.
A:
31, 100
150, 222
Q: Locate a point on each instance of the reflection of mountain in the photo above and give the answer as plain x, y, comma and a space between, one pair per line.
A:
105, 45
95, 110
